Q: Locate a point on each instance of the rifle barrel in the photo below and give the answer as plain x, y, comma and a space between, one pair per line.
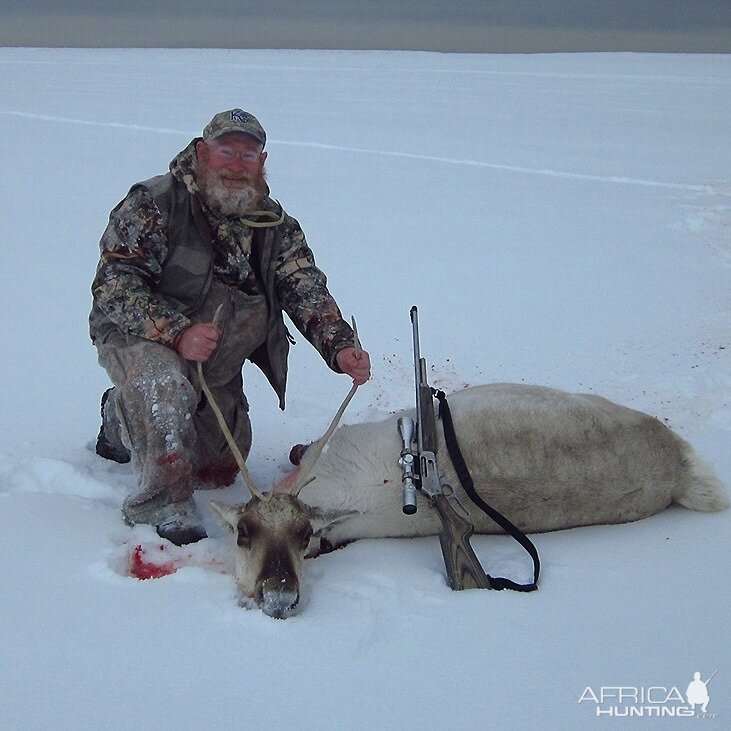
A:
417, 373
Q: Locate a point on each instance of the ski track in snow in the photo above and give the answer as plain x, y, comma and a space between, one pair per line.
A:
387, 153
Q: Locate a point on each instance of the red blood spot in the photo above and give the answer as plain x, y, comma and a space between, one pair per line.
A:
171, 458
220, 475
141, 568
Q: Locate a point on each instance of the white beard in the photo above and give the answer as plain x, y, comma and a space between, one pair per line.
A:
230, 201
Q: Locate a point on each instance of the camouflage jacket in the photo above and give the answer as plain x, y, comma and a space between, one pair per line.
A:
134, 248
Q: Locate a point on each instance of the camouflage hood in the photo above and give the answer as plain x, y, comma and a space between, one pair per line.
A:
184, 165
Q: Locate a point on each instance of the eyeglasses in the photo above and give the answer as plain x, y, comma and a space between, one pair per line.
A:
229, 154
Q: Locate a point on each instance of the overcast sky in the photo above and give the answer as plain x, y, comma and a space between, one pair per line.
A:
456, 25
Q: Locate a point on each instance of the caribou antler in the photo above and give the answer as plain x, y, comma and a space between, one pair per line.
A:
253, 489
312, 453
315, 449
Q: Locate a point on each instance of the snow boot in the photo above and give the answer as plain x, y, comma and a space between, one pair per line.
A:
111, 449
181, 523
181, 531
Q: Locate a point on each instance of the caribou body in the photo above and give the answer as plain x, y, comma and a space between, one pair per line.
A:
544, 458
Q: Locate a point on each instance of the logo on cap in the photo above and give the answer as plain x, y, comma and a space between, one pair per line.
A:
240, 116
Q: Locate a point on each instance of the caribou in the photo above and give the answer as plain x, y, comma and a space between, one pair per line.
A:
546, 459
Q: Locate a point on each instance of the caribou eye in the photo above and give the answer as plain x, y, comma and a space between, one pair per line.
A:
243, 538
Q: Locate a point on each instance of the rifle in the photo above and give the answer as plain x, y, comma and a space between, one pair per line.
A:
421, 471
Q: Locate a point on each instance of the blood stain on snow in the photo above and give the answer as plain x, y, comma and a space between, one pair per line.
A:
155, 560
142, 567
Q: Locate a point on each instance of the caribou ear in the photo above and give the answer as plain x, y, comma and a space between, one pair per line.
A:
325, 519
227, 515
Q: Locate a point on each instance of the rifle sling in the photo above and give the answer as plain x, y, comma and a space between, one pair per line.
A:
455, 454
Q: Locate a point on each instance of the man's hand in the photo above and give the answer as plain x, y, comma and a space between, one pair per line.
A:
356, 364
197, 342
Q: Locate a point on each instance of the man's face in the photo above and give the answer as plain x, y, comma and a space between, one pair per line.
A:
231, 172
233, 157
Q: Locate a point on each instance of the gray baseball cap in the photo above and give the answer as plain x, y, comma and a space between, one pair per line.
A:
235, 120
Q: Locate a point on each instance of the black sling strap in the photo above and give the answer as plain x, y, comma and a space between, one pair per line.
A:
465, 479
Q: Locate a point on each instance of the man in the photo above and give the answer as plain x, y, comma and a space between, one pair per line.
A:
204, 236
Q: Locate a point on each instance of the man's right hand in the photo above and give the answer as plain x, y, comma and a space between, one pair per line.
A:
197, 342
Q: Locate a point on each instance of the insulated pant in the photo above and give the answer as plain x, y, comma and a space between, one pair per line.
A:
158, 411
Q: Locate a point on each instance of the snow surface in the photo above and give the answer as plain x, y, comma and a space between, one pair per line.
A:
558, 219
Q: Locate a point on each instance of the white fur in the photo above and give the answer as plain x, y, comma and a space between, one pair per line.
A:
706, 492
545, 458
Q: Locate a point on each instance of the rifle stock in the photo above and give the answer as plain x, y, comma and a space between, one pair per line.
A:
463, 567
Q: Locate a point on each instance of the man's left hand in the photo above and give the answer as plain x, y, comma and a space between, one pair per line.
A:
356, 364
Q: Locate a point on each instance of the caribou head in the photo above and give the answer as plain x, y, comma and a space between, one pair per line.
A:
273, 534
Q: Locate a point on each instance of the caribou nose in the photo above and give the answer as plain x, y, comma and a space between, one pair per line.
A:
278, 598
